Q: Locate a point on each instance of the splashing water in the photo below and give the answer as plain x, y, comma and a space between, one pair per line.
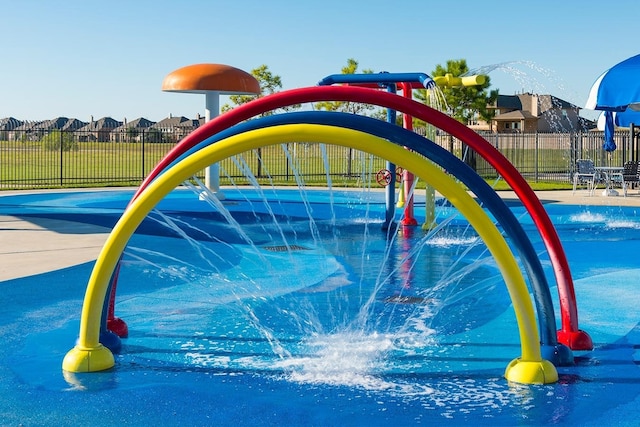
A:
588, 217
620, 223
354, 358
530, 77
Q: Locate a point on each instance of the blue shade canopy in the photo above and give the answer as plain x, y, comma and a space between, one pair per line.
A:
626, 117
622, 119
617, 88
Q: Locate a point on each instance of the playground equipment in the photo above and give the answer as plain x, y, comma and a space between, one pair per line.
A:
212, 80
227, 135
406, 82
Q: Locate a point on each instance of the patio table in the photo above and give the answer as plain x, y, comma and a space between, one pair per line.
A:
608, 175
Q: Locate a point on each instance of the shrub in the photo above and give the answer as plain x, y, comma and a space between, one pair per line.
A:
57, 140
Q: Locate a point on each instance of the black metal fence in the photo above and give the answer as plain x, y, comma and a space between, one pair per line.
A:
551, 157
61, 158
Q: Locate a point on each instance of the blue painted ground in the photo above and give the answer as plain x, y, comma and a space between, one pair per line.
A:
351, 327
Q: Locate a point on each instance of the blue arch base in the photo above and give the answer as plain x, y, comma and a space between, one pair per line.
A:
107, 338
558, 354
111, 341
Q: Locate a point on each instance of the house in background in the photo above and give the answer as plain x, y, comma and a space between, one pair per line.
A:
27, 131
173, 129
59, 123
106, 129
529, 113
35, 130
98, 130
132, 131
73, 124
7, 125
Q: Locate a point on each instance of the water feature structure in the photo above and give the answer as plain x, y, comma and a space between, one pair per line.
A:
569, 334
223, 137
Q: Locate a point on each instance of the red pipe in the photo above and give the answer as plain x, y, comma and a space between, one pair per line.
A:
569, 333
409, 218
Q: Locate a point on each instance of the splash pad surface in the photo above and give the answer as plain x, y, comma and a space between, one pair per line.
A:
276, 333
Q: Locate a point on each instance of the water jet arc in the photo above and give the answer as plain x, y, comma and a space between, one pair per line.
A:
558, 354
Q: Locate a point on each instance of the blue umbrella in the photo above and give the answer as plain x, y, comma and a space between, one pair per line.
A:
626, 117
615, 90
622, 119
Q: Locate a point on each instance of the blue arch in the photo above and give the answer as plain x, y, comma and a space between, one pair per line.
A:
551, 350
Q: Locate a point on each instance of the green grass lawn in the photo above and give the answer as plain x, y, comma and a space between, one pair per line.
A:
31, 164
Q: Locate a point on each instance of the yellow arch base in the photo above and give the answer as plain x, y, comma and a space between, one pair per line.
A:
528, 372
85, 359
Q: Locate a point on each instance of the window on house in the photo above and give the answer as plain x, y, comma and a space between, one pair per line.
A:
515, 125
507, 125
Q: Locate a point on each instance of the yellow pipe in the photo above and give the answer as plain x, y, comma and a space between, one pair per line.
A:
429, 208
89, 355
448, 80
401, 197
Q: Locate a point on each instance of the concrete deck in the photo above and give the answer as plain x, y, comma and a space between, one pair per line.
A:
41, 245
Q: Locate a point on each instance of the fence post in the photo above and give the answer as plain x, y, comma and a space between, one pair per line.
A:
286, 161
61, 158
574, 140
536, 153
259, 168
142, 155
634, 148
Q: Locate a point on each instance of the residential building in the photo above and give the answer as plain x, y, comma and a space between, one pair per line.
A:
173, 129
529, 112
98, 130
131, 131
7, 125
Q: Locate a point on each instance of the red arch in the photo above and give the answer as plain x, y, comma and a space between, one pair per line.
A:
569, 334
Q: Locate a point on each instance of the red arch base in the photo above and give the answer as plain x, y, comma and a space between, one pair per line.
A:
575, 340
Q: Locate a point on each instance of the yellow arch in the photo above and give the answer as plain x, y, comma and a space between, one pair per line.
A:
89, 355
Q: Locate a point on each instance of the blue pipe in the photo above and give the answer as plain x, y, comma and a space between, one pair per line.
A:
390, 190
379, 78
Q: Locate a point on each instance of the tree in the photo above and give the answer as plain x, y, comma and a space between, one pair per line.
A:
269, 84
155, 135
57, 140
347, 107
488, 114
132, 134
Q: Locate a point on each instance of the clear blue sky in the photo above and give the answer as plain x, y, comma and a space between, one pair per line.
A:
82, 58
